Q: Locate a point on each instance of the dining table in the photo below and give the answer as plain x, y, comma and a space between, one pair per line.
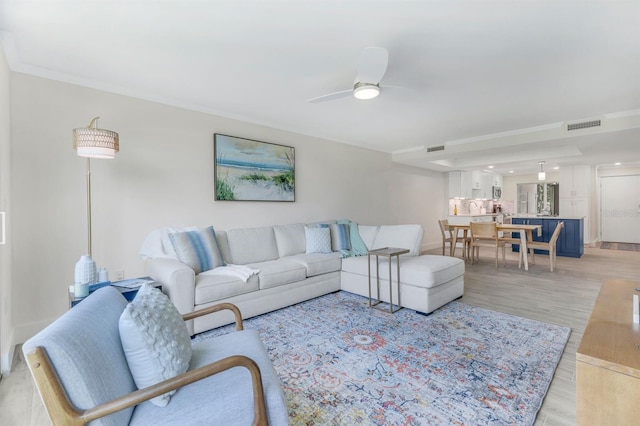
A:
526, 234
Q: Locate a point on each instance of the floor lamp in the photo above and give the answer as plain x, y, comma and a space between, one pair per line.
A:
91, 142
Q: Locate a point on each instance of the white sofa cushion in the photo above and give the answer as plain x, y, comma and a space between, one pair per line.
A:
252, 245
400, 236
275, 273
155, 340
211, 287
421, 271
290, 239
316, 263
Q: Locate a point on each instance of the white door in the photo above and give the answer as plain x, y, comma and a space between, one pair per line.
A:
620, 209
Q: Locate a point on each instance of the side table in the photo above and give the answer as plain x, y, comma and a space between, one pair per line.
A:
128, 288
389, 253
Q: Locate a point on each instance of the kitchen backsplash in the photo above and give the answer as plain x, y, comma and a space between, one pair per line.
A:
480, 206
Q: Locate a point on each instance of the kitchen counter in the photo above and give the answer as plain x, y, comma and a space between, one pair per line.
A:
533, 216
479, 214
463, 219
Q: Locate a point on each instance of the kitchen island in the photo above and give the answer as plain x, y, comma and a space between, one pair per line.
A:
570, 241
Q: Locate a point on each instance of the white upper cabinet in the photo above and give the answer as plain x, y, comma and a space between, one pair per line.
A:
459, 184
575, 182
475, 184
476, 179
497, 180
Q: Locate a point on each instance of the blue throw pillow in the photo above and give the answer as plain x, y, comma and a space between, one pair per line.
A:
198, 249
340, 237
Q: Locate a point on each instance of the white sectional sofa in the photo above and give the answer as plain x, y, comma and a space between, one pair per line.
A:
288, 275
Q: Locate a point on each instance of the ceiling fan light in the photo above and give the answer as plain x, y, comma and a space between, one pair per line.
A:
365, 91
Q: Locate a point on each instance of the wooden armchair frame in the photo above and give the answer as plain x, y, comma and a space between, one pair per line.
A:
62, 411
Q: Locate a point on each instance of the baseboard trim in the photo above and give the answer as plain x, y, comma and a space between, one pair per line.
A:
430, 246
6, 359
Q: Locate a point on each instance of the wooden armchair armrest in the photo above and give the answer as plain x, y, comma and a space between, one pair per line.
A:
63, 412
216, 308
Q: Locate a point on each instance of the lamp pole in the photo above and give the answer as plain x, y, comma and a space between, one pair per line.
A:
97, 143
89, 206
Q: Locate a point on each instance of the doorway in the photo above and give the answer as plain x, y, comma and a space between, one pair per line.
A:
620, 209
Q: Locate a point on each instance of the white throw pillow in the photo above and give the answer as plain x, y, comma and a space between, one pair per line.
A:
155, 340
318, 240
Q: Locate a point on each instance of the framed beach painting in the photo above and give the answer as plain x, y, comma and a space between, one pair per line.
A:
248, 170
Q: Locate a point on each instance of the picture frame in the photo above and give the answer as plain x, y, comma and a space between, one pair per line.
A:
251, 170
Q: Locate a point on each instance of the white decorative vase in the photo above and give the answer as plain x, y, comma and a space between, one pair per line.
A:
85, 270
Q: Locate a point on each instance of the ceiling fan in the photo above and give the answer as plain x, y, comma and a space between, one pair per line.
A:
371, 69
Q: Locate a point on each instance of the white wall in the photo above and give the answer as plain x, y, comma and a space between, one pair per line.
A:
6, 321
162, 176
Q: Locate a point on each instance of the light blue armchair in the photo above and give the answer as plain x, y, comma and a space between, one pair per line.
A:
82, 374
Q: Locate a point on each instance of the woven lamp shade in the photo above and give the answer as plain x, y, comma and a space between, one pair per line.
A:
95, 143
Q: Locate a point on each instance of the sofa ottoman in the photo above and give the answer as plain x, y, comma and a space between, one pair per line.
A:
426, 282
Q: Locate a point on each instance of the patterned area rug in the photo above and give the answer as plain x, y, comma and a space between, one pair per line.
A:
620, 246
343, 363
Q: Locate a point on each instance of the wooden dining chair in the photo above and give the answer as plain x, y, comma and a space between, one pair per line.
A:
447, 237
551, 246
446, 234
485, 234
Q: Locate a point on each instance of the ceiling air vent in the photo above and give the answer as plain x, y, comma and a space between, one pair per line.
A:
435, 148
583, 125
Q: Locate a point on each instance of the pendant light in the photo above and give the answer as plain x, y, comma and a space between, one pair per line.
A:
541, 174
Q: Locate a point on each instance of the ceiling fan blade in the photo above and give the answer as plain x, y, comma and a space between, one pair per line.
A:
331, 96
373, 65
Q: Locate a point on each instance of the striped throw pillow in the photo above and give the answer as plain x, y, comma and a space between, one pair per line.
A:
340, 237
198, 249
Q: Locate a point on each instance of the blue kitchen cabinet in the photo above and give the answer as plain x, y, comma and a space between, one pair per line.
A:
570, 241
571, 238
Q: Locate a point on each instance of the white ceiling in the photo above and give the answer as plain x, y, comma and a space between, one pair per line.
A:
493, 81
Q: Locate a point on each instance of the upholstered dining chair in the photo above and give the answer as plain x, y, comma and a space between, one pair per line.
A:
551, 246
447, 237
485, 234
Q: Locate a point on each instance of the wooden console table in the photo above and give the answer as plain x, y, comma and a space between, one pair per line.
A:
608, 359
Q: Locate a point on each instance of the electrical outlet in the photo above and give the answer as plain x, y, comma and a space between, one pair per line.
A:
120, 275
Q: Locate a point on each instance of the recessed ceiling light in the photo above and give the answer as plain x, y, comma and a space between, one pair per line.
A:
617, 164
556, 167
510, 171
491, 167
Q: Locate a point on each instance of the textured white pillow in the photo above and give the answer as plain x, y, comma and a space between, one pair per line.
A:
155, 340
318, 240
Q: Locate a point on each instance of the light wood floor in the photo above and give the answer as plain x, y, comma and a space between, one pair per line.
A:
563, 297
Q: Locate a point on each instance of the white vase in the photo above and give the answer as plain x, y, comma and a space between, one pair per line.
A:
85, 272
